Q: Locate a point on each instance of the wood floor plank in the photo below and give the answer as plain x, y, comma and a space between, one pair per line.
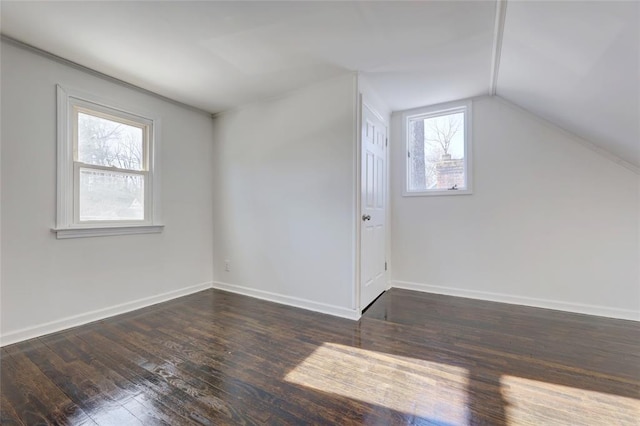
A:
454, 349
168, 367
156, 389
8, 415
247, 365
35, 398
386, 348
216, 358
95, 395
126, 392
165, 361
179, 355
625, 372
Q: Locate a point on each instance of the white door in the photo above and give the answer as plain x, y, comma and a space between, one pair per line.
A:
373, 212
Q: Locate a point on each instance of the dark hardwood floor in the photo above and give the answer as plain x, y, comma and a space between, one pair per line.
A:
217, 358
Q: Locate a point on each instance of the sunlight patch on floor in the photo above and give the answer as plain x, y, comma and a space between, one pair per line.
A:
534, 402
415, 387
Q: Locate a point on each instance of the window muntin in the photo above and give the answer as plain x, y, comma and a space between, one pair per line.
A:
438, 150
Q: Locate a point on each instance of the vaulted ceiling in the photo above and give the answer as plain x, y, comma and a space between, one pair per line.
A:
577, 64
573, 63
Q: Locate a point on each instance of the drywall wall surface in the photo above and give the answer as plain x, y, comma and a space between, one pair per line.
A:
46, 281
372, 98
550, 222
285, 196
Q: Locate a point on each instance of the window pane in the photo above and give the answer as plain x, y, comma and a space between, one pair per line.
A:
111, 196
436, 153
109, 143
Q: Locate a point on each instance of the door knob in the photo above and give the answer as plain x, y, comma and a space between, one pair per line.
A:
366, 217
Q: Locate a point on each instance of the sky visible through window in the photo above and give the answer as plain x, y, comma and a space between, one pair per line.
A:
444, 131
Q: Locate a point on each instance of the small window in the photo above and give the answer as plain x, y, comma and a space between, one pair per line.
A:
106, 169
438, 150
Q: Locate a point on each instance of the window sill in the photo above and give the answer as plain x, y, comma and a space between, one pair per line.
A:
437, 193
104, 231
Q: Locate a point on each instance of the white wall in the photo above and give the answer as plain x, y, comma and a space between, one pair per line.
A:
49, 284
551, 223
285, 198
373, 99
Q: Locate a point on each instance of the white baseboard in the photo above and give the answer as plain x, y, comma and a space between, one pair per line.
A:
602, 311
85, 318
310, 305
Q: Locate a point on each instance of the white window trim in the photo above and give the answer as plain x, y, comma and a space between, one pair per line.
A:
436, 110
67, 223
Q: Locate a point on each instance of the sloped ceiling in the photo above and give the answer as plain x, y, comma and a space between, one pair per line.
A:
574, 63
577, 64
217, 55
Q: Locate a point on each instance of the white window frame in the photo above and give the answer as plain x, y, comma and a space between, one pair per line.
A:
68, 224
436, 111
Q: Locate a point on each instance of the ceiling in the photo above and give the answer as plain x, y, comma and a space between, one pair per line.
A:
577, 64
573, 63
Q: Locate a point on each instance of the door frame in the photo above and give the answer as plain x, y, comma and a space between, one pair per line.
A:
361, 103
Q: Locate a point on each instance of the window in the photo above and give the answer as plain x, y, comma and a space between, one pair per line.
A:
438, 150
106, 169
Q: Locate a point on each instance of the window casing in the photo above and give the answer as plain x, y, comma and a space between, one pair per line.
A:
107, 174
438, 150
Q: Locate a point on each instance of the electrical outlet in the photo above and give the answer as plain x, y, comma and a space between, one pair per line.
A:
227, 265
